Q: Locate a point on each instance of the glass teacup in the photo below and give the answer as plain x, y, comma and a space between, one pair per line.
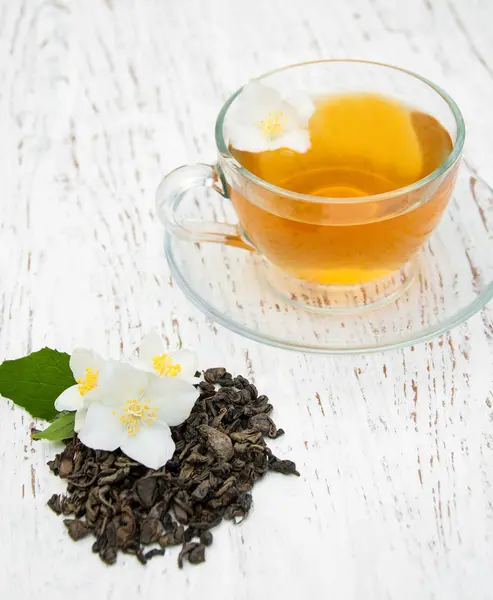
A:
328, 244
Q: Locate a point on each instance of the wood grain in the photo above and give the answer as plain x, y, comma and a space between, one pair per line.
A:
98, 99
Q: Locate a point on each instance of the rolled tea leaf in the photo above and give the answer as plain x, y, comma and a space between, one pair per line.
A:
221, 453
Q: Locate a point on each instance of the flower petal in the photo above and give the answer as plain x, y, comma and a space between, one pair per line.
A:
69, 399
121, 382
152, 446
302, 105
188, 362
83, 359
248, 138
255, 100
296, 139
92, 396
102, 430
104, 380
80, 418
173, 397
151, 345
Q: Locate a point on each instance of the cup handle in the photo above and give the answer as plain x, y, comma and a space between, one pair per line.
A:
170, 194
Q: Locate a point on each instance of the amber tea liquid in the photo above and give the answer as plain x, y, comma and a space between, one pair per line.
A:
361, 145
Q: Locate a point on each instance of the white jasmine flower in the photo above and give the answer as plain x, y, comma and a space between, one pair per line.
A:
261, 119
155, 358
135, 414
87, 368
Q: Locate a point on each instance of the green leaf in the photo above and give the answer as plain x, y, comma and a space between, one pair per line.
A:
35, 381
62, 428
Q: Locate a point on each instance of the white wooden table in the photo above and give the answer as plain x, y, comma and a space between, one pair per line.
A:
98, 99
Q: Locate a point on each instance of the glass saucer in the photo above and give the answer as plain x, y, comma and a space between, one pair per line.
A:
453, 279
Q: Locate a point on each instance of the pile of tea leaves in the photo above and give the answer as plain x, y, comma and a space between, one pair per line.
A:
220, 453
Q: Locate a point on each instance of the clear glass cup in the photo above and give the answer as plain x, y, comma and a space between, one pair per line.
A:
297, 234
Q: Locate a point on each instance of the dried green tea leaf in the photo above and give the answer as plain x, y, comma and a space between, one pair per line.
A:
220, 454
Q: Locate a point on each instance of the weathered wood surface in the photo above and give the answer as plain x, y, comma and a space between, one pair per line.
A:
98, 99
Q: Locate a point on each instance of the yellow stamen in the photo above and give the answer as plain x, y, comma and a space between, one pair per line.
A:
136, 413
273, 124
89, 382
164, 366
